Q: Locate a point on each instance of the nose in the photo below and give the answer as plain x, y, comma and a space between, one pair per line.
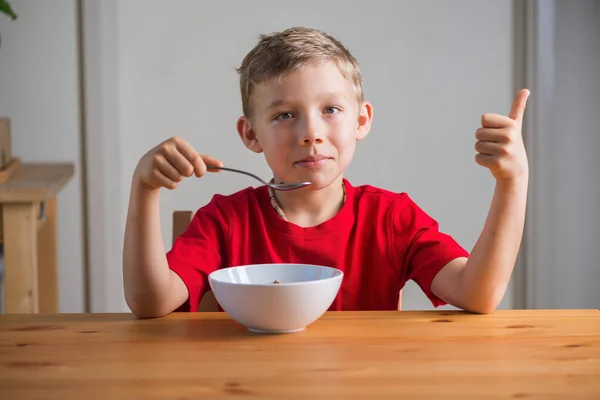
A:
310, 131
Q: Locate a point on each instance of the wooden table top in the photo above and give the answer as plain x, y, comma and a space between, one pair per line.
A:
545, 354
33, 182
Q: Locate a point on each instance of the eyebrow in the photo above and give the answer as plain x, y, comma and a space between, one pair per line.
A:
275, 103
279, 102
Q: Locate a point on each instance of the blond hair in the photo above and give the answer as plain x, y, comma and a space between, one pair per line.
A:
280, 53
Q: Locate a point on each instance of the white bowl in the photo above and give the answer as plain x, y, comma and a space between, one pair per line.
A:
250, 296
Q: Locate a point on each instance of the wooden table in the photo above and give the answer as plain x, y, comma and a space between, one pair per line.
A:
28, 232
343, 355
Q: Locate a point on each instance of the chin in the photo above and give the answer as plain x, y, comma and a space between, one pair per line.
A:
321, 182
320, 178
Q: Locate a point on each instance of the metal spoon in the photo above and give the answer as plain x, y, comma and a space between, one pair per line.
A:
275, 186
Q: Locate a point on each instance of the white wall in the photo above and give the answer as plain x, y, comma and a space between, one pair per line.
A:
563, 241
431, 68
103, 156
158, 69
39, 92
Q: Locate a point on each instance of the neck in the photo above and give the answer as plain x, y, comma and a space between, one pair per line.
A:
306, 208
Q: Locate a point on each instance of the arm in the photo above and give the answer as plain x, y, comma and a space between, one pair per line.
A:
479, 283
152, 289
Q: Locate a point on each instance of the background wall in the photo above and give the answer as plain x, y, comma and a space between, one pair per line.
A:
39, 92
563, 238
430, 68
155, 69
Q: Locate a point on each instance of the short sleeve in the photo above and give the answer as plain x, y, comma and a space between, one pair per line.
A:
197, 252
421, 248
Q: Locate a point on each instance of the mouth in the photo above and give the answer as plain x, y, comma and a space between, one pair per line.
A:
313, 161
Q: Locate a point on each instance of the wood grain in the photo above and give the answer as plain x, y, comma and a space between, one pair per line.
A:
9, 169
47, 257
542, 354
33, 182
20, 257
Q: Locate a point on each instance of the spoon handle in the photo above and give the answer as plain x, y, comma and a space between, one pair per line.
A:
238, 171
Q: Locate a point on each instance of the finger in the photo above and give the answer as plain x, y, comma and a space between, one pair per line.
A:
486, 160
492, 135
518, 107
489, 120
179, 161
162, 179
192, 156
169, 170
490, 148
210, 161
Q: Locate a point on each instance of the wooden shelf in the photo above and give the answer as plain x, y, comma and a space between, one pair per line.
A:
28, 222
35, 182
9, 169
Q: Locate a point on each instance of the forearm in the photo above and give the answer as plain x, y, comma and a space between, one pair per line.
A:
487, 272
146, 275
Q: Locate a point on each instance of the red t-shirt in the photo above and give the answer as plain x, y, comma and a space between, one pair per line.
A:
379, 239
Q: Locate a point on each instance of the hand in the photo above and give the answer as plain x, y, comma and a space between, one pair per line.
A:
168, 163
500, 144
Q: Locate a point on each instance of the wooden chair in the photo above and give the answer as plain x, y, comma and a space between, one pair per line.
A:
181, 220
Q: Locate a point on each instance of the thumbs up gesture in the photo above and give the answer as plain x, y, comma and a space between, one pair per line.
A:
500, 146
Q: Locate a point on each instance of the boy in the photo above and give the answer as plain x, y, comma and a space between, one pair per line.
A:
303, 107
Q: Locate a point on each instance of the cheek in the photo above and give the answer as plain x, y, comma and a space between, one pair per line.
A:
344, 131
276, 141
281, 132
274, 135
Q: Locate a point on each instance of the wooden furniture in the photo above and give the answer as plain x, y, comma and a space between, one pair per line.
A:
9, 169
28, 233
181, 220
549, 354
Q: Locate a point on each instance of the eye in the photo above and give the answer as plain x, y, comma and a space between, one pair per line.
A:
283, 116
331, 110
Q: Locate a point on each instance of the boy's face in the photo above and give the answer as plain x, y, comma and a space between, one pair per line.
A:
307, 124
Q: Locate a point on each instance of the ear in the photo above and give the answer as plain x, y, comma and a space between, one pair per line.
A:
365, 116
247, 134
